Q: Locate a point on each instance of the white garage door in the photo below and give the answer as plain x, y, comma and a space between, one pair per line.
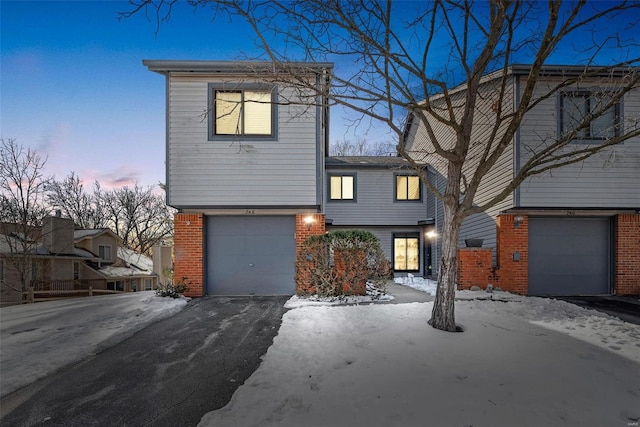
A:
250, 255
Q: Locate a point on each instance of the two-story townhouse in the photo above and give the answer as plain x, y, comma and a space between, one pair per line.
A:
245, 169
117, 267
570, 231
383, 195
44, 257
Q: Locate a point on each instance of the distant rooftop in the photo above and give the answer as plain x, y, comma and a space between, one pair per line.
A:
366, 161
79, 234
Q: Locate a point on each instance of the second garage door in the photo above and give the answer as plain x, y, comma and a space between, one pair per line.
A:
569, 256
252, 255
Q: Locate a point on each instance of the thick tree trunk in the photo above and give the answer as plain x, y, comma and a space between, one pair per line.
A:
443, 316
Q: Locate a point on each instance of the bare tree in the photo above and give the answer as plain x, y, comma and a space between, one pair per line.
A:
22, 208
70, 197
361, 147
138, 216
413, 56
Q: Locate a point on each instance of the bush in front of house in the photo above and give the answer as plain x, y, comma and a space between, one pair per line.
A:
173, 290
340, 263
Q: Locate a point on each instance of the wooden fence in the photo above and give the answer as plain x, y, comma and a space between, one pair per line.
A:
61, 289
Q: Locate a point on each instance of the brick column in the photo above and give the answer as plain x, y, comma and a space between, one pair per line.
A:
304, 230
512, 250
188, 240
304, 267
627, 234
474, 267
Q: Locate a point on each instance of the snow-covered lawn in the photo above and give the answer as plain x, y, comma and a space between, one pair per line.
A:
37, 339
520, 362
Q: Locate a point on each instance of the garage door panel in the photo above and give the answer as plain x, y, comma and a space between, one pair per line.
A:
250, 255
569, 256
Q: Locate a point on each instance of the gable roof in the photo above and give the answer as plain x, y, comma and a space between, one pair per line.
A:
91, 233
133, 265
37, 250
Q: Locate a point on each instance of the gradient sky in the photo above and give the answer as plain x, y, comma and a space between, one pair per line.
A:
73, 85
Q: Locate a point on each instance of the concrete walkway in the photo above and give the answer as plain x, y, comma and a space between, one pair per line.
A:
405, 294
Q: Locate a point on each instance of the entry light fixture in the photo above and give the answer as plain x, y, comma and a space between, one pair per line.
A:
431, 234
309, 220
517, 220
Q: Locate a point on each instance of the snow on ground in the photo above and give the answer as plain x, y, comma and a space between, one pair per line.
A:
424, 285
521, 361
37, 339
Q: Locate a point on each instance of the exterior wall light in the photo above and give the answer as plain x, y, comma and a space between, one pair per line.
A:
431, 234
309, 221
517, 220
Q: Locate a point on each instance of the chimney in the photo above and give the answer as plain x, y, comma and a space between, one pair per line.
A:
57, 234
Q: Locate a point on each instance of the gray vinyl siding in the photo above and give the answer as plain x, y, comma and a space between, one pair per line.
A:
375, 200
608, 179
237, 173
385, 235
479, 225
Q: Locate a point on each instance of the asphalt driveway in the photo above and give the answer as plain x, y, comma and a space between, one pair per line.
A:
168, 374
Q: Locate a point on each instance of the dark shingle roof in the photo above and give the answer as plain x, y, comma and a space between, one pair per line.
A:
366, 161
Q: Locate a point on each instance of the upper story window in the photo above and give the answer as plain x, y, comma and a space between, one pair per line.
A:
104, 252
408, 187
244, 110
342, 187
575, 106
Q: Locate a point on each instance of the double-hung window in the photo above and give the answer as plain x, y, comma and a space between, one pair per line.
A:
242, 111
406, 252
407, 187
342, 187
576, 106
104, 252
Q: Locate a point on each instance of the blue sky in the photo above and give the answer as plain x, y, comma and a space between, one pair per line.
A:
73, 85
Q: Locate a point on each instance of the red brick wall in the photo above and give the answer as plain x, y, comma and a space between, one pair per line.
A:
304, 284
475, 268
512, 275
304, 231
188, 251
627, 278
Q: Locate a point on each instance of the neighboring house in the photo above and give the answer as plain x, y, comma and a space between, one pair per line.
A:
573, 230
383, 195
248, 170
245, 167
51, 258
61, 258
122, 269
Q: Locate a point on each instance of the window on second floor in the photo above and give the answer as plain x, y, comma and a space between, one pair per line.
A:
104, 252
246, 111
342, 187
575, 106
407, 187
